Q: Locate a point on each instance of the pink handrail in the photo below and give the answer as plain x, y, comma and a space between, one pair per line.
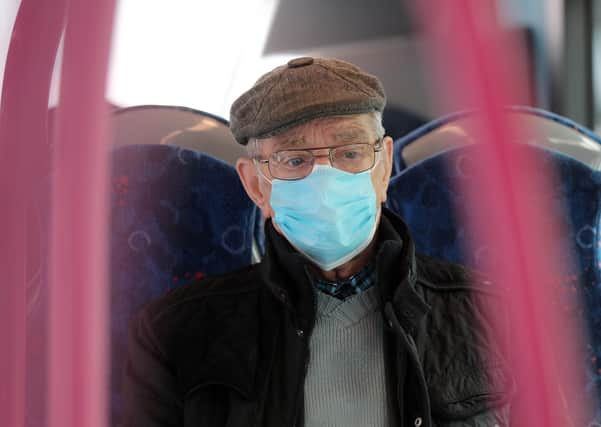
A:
24, 163
477, 66
78, 382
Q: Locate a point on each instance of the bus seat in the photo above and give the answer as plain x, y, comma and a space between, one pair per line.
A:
176, 215
179, 126
537, 127
423, 196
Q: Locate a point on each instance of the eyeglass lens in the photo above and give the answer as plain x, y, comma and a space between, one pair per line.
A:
296, 164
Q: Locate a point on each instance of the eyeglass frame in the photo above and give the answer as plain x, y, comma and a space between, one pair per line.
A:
377, 146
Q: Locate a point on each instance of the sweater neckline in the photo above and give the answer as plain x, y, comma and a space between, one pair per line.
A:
348, 311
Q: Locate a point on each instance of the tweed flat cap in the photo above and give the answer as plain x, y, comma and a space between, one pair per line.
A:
304, 89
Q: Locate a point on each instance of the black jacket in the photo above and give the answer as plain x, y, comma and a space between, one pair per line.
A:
233, 350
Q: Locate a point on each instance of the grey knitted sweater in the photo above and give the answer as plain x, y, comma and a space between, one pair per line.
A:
346, 384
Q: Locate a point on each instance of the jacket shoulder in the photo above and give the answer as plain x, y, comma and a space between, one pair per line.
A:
199, 291
466, 332
202, 307
460, 298
440, 275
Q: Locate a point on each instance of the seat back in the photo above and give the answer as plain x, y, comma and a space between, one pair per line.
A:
536, 127
180, 126
176, 215
424, 196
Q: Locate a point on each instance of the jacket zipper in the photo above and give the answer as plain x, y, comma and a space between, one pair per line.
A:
301, 382
396, 327
299, 393
305, 338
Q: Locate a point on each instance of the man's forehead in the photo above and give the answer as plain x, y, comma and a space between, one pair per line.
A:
339, 129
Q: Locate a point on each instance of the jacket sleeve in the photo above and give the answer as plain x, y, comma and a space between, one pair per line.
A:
150, 394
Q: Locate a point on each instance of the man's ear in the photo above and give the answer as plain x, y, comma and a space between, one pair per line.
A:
250, 180
387, 154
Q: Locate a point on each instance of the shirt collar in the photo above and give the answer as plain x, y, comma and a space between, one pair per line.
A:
350, 286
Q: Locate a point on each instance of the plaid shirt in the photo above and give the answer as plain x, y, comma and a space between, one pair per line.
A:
355, 284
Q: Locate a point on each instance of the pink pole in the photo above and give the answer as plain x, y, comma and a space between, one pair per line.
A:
78, 384
477, 68
23, 163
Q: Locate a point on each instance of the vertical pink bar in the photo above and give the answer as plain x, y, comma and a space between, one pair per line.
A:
477, 68
23, 163
78, 382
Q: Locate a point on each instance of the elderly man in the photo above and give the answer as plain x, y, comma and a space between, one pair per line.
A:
341, 324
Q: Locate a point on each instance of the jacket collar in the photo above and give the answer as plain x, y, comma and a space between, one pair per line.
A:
396, 264
285, 272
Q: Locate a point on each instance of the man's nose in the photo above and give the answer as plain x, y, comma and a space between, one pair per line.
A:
322, 159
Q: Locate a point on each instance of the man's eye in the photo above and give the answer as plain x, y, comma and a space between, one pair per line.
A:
294, 162
351, 155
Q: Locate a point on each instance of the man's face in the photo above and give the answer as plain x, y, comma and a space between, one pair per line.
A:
326, 132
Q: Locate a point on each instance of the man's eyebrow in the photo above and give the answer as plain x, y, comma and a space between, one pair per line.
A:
352, 135
344, 135
290, 142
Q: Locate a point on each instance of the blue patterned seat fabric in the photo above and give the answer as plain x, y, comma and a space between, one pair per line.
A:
423, 196
176, 215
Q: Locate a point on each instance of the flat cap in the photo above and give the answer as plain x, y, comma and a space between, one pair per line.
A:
304, 89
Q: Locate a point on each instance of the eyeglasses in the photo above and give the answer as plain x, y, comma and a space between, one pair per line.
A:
296, 164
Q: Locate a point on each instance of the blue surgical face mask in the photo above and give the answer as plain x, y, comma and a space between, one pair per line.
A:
329, 216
